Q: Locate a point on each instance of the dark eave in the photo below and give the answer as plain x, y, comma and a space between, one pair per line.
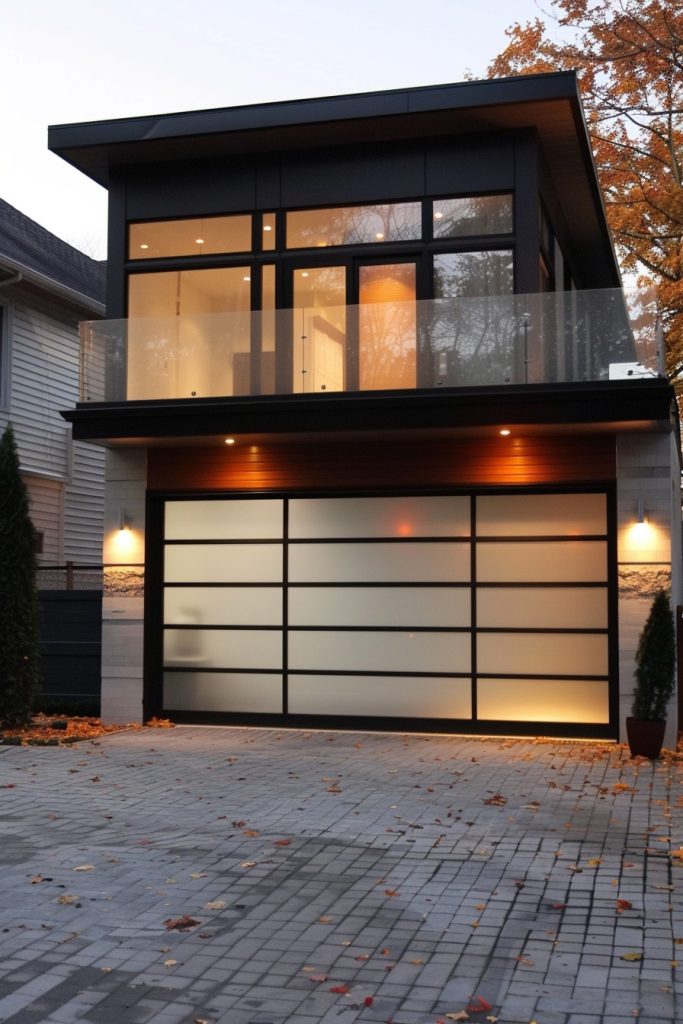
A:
547, 103
648, 403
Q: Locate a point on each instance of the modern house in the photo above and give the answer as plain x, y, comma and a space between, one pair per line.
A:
385, 447
46, 288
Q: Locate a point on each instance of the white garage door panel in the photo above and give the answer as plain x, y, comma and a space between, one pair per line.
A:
555, 653
379, 652
542, 608
379, 606
379, 517
542, 562
260, 519
223, 606
543, 700
218, 648
222, 691
380, 563
382, 696
223, 563
529, 515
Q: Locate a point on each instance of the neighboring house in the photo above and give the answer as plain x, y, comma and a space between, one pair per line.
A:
377, 424
46, 288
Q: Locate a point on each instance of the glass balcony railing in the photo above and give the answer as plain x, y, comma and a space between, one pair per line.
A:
441, 343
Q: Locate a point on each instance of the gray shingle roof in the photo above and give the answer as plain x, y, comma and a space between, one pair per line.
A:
25, 242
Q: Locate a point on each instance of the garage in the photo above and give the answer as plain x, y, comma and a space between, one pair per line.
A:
483, 612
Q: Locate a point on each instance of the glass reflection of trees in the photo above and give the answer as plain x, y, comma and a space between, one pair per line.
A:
472, 215
354, 225
472, 324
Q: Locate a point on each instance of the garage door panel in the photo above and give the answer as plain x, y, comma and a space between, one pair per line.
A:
237, 519
379, 606
542, 562
537, 653
543, 700
223, 606
410, 516
379, 563
223, 691
542, 608
325, 650
381, 696
223, 563
223, 648
541, 514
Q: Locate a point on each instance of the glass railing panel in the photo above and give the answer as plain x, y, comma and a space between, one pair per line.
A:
442, 343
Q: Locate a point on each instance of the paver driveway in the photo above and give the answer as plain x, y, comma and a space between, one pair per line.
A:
338, 877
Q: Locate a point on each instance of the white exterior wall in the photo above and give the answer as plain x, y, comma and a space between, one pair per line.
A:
65, 479
122, 604
649, 557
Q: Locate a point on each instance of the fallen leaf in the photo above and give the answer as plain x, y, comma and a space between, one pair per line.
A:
623, 905
525, 960
248, 864
342, 990
368, 1001
318, 977
238, 824
479, 1005
35, 879
215, 905
197, 874
180, 924
170, 963
460, 1015
362, 956
497, 800
391, 893
416, 960
85, 867
282, 842
632, 956
250, 832
67, 900
385, 951
594, 862
326, 920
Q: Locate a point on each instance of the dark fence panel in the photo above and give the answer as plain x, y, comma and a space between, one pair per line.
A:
71, 645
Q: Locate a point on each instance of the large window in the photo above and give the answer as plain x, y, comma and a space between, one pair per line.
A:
192, 237
354, 225
472, 215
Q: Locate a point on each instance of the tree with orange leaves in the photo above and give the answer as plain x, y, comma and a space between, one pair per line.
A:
628, 55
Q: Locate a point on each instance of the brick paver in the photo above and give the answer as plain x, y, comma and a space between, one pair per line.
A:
416, 875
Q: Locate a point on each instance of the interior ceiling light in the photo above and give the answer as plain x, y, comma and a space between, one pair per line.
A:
438, 215
379, 235
304, 273
229, 440
504, 432
267, 227
246, 279
199, 241
143, 245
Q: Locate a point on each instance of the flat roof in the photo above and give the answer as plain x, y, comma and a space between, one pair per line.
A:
548, 103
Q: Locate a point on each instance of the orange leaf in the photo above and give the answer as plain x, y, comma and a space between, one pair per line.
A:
479, 1005
368, 1001
342, 990
623, 905
282, 842
391, 892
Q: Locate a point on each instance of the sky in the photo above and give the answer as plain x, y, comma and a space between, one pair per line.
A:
90, 60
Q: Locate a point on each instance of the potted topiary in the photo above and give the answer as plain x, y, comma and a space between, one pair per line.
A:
655, 663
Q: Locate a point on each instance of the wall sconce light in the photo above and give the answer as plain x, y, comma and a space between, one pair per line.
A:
641, 516
124, 526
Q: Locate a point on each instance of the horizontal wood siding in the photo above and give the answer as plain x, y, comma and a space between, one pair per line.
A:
44, 361
46, 511
529, 461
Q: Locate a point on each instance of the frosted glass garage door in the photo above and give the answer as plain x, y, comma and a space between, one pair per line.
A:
453, 608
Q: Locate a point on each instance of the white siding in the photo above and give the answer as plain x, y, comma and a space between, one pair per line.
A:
46, 498
44, 370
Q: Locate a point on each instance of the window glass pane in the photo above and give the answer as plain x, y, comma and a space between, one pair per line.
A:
381, 563
222, 691
197, 236
379, 606
268, 236
267, 319
543, 700
555, 653
387, 326
222, 648
224, 520
538, 514
223, 606
473, 274
223, 563
387, 696
379, 517
189, 333
319, 329
517, 607
542, 562
472, 215
352, 225
379, 652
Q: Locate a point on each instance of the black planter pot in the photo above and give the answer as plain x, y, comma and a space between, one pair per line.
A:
645, 738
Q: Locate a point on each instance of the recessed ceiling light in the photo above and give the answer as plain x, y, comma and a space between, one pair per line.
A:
504, 432
438, 215
304, 273
199, 241
267, 227
246, 278
143, 245
229, 440
379, 235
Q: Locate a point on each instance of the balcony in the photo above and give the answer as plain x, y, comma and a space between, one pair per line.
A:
558, 337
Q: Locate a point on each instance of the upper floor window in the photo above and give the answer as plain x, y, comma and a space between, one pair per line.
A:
195, 236
354, 225
472, 215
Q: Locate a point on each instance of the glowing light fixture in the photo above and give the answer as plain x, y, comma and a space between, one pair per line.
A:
379, 235
438, 215
124, 526
143, 245
246, 278
641, 515
230, 440
504, 432
267, 227
199, 241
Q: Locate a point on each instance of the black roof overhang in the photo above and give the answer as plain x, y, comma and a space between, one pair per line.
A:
650, 401
548, 103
